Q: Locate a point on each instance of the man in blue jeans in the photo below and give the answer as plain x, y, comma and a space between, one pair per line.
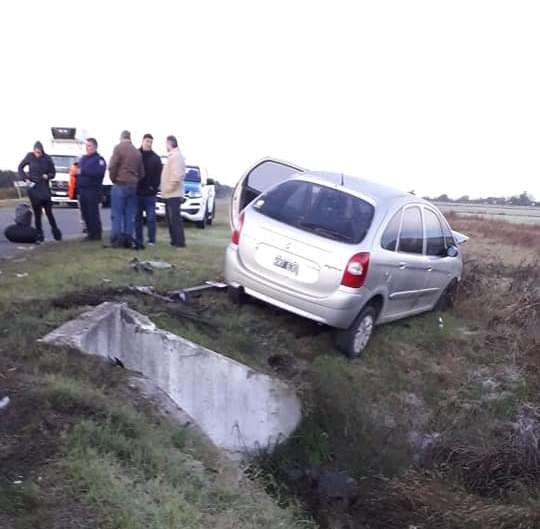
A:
126, 169
146, 193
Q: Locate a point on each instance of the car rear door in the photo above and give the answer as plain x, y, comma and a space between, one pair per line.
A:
256, 180
404, 263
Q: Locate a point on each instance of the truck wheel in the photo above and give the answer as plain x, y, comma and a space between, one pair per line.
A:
210, 216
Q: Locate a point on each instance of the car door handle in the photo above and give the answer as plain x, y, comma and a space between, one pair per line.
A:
429, 268
402, 266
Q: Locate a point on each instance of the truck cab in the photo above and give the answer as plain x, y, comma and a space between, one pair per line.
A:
66, 148
200, 197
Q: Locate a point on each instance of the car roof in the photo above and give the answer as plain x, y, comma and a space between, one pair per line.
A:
377, 192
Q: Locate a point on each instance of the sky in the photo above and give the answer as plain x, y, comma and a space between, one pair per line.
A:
432, 96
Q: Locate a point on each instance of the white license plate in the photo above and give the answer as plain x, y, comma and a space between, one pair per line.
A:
61, 193
289, 266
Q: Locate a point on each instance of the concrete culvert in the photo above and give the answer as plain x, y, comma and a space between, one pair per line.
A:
241, 410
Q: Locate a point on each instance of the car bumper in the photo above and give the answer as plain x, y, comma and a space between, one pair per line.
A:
336, 310
192, 210
62, 199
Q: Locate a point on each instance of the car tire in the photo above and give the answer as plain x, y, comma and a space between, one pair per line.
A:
201, 223
448, 297
210, 216
355, 339
237, 295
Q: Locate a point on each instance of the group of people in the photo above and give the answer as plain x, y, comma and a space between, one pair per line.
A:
137, 176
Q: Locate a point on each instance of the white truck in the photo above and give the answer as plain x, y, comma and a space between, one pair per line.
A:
64, 149
200, 197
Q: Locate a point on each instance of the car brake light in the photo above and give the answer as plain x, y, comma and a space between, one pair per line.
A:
236, 233
356, 271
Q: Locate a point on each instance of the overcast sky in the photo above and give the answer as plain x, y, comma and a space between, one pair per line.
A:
427, 95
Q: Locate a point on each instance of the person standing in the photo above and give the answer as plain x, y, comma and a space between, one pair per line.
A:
125, 169
89, 187
40, 171
172, 191
146, 192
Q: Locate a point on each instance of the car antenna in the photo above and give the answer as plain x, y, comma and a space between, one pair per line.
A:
342, 183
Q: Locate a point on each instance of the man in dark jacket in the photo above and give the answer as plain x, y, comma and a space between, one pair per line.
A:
125, 169
147, 189
40, 171
89, 183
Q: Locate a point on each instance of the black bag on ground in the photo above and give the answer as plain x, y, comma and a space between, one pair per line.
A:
21, 234
23, 215
22, 231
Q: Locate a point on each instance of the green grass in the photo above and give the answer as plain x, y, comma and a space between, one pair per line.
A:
136, 470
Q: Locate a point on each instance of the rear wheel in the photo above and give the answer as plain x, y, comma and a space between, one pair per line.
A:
237, 295
355, 339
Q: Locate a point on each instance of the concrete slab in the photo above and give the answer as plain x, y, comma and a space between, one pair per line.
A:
241, 410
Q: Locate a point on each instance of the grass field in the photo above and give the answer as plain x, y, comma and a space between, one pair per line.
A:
438, 426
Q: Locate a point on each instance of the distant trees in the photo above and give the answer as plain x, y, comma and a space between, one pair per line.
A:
525, 199
7, 178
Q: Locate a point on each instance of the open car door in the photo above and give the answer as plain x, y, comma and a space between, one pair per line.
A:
256, 180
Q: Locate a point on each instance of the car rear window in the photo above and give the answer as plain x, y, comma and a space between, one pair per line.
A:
318, 209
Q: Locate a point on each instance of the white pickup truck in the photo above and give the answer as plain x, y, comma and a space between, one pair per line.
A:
200, 198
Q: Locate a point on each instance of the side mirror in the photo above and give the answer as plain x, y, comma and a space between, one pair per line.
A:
452, 251
210, 182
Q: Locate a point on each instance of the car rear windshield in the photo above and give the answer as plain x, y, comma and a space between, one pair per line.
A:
318, 209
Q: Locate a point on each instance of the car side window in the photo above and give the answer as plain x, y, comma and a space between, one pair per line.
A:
390, 235
435, 244
447, 233
411, 239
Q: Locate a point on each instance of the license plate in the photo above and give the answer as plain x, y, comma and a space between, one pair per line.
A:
61, 193
290, 266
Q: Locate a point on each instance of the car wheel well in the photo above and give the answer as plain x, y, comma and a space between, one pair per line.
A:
377, 302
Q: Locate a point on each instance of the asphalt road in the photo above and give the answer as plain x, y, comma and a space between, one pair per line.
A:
67, 219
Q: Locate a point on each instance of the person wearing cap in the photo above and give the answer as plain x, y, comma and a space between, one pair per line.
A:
40, 172
89, 186
172, 191
125, 169
146, 192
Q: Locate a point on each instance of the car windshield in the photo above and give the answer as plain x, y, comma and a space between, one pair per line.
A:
63, 163
325, 211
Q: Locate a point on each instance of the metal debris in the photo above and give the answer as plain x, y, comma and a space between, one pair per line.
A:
149, 266
4, 403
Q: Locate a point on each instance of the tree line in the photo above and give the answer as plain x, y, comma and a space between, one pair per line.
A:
524, 199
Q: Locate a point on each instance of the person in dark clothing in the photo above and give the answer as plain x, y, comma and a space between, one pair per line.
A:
147, 189
92, 168
40, 171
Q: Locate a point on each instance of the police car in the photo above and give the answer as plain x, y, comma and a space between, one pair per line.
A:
200, 198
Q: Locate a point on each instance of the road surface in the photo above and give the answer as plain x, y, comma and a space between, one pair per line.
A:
67, 219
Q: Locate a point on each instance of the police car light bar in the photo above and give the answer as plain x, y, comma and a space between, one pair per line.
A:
63, 133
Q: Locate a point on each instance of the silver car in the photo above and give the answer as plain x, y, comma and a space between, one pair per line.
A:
339, 250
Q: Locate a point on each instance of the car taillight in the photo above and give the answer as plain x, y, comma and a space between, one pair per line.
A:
236, 233
356, 271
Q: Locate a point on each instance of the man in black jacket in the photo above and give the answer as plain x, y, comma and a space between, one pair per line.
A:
40, 171
147, 189
89, 185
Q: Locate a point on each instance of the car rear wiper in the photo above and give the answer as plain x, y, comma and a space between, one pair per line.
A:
316, 228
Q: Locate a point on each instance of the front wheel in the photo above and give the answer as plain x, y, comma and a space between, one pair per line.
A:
447, 297
210, 216
354, 340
